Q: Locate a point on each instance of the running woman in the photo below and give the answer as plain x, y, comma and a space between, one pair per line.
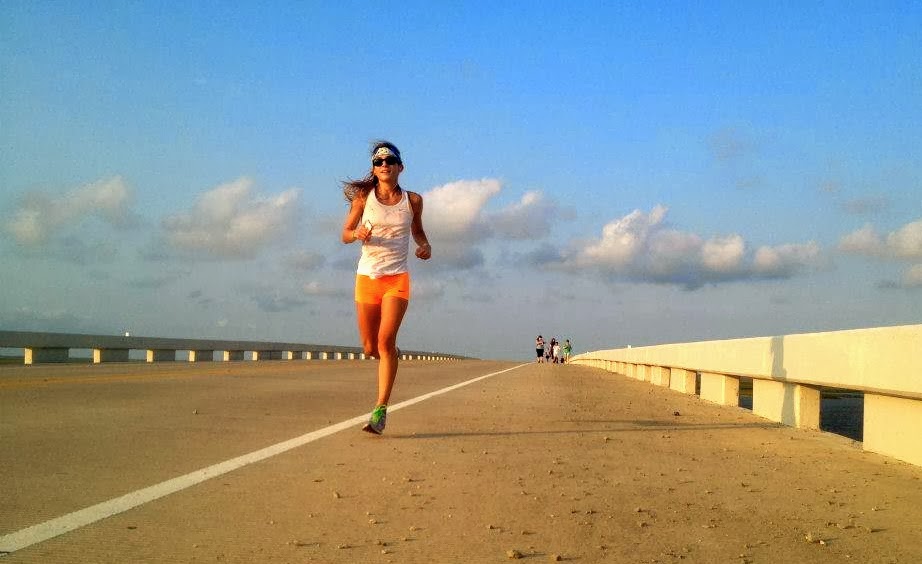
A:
383, 216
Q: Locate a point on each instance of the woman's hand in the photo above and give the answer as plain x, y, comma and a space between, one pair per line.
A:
362, 232
424, 251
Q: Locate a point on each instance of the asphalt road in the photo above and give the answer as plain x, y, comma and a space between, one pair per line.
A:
254, 462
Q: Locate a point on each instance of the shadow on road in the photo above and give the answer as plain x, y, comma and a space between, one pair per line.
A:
612, 427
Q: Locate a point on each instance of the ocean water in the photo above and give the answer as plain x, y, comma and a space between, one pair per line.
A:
841, 411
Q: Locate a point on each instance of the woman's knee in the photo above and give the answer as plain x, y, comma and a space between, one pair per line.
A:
387, 345
370, 347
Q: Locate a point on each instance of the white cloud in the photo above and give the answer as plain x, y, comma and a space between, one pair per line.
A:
457, 220
672, 252
40, 217
906, 242
864, 241
785, 260
723, 254
454, 211
228, 222
453, 215
622, 240
639, 247
903, 244
529, 218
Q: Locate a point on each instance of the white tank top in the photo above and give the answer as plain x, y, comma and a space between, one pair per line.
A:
385, 252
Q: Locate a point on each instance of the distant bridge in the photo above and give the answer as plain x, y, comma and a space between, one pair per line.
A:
57, 347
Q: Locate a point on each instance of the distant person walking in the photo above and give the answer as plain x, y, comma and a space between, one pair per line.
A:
555, 351
383, 216
567, 349
539, 348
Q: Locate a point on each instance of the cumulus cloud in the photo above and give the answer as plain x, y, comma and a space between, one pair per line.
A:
906, 242
40, 216
640, 247
903, 244
456, 220
230, 222
454, 211
529, 218
723, 254
864, 241
786, 260
622, 241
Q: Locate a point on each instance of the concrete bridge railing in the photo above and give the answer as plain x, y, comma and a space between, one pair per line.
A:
788, 372
57, 347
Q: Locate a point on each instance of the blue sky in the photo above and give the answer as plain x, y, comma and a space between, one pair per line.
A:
613, 174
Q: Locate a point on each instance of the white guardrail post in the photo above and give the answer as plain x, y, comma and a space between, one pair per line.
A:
788, 374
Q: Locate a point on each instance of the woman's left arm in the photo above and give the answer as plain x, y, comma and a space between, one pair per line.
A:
423, 249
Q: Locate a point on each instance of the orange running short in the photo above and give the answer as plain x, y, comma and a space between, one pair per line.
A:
373, 290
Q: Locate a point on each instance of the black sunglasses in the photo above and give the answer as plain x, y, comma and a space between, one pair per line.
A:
388, 160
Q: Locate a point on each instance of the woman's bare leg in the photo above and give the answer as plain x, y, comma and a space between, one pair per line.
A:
392, 311
378, 327
369, 320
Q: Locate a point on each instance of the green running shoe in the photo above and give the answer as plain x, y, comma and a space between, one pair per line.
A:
377, 421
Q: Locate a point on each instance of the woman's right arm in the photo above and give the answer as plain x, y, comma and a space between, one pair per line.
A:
352, 231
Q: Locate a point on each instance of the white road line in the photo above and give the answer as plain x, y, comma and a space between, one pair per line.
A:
66, 523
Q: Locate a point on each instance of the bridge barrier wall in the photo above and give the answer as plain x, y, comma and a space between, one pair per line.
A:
787, 372
56, 347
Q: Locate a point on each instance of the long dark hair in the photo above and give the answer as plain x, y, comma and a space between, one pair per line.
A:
353, 188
